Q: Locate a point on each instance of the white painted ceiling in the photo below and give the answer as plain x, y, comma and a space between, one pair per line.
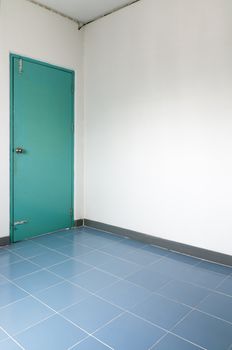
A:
84, 10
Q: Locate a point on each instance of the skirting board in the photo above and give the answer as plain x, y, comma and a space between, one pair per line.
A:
4, 240
161, 242
79, 222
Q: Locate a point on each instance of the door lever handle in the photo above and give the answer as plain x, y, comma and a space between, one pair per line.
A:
19, 150
20, 222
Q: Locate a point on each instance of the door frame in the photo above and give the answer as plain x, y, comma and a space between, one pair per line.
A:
13, 56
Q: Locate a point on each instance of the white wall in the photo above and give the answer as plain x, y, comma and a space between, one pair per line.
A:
31, 31
158, 128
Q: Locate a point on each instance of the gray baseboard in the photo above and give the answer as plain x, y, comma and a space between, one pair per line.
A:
4, 240
79, 222
164, 243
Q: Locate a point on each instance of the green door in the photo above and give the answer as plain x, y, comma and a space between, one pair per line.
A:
41, 148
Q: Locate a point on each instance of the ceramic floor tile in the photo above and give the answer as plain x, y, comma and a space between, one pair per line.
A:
69, 268
98, 233
91, 313
129, 332
88, 235
62, 295
133, 243
37, 281
94, 280
206, 331
9, 345
226, 286
10, 293
94, 241
4, 249
170, 267
161, 311
185, 259
70, 234
62, 233
202, 277
95, 258
26, 244
7, 258
48, 259
3, 280
156, 250
142, 257
3, 336
18, 269
120, 267
224, 270
151, 280
52, 242
124, 294
91, 344
82, 238
22, 314
110, 237
218, 305
75, 250
54, 333
171, 342
32, 250
185, 293
118, 249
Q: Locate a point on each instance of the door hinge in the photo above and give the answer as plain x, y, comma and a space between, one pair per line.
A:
72, 88
71, 211
20, 66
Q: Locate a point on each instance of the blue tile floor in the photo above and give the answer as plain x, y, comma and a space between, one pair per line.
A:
85, 289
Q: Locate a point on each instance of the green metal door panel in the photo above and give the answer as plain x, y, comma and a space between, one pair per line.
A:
43, 128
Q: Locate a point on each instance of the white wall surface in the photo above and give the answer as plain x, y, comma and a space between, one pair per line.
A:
158, 128
32, 31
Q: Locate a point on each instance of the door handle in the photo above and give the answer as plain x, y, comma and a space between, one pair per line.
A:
20, 222
19, 150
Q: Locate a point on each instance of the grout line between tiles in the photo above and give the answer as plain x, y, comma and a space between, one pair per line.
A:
13, 302
54, 312
98, 268
152, 292
109, 243
14, 340
157, 342
34, 324
221, 282
166, 249
80, 341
